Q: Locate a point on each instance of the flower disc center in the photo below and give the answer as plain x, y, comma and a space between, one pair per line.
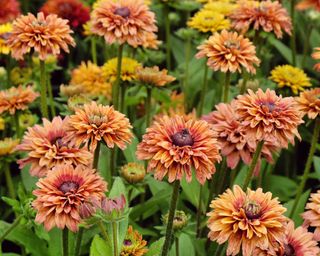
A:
252, 210
124, 12
288, 250
68, 186
182, 138
270, 106
127, 242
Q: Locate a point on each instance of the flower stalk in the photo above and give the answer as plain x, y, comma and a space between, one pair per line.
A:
11, 228
204, 90
115, 238
93, 49
96, 156
116, 86
226, 86
65, 242
148, 106
168, 41
9, 182
77, 249
43, 90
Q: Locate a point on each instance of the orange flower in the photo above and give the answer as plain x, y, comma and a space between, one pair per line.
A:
248, 220
306, 4
60, 194
123, 21
228, 51
232, 136
45, 35
15, 99
312, 215
269, 117
316, 56
151, 41
93, 123
270, 16
309, 103
133, 244
47, 147
175, 146
10, 9
153, 76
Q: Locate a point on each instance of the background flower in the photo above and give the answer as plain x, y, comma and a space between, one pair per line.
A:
10, 9
309, 103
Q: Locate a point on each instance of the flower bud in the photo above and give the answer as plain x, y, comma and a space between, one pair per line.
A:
133, 172
180, 220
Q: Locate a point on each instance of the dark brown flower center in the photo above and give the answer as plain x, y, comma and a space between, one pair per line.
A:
124, 12
182, 138
252, 210
68, 186
288, 250
127, 242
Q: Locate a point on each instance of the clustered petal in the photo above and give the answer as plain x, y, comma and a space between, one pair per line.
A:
10, 9
312, 214
61, 193
309, 103
133, 244
8, 146
174, 146
152, 76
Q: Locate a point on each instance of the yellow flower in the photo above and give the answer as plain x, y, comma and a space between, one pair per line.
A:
5, 30
128, 69
91, 79
289, 76
2, 124
222, 7
20, 75
87, 28
208, 21
7, 146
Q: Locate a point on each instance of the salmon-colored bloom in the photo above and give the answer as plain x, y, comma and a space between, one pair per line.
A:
228, 51
312, 215
297, 242
316, 56
123, 21
248, 220
7, 146
45, 35
306, 4
232, 136
73, 10
10, 9
309, 103
47, 147
152, 76
269, 15
151, 41
174, 146
269, 117
94, 123
16, 98
60, 194
133, 244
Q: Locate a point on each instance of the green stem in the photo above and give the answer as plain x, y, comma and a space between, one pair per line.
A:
12, 227
148, 106
204, 90
226, 87
93, 49
293, 35
44, 109
177, 246
52, 108
12, 192
115, 238
253, 165
8, 71
186, 75
113, 162
116, 86
104, 232
199, 211
96, 156
307, 167
173, 206
167, 29
122, 97
244, 82
65, 242
223, 175
78, 242
17, 125
307, 44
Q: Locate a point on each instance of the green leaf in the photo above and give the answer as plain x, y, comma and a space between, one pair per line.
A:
99, 247
316, 163
282, 48
191, 190
155, 248
118, 188
28, 181
282, 187
186, 245
130, 151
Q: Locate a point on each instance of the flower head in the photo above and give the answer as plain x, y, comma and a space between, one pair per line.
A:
289, 76
60, 194
91, 79
222, 7
209, 21
123, 21
309, 103
232, 136
133, 172
7, 146
180, 220
133, 244
10, 9
16, 98
174, 146
2, 124
72, 10
5, 30
269, 117
247, 220
45, 35
312, 215
306, 4
153, 76
77, 101
94, 123
128, 69
228, 51
316, 56
269, 15
47, 146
